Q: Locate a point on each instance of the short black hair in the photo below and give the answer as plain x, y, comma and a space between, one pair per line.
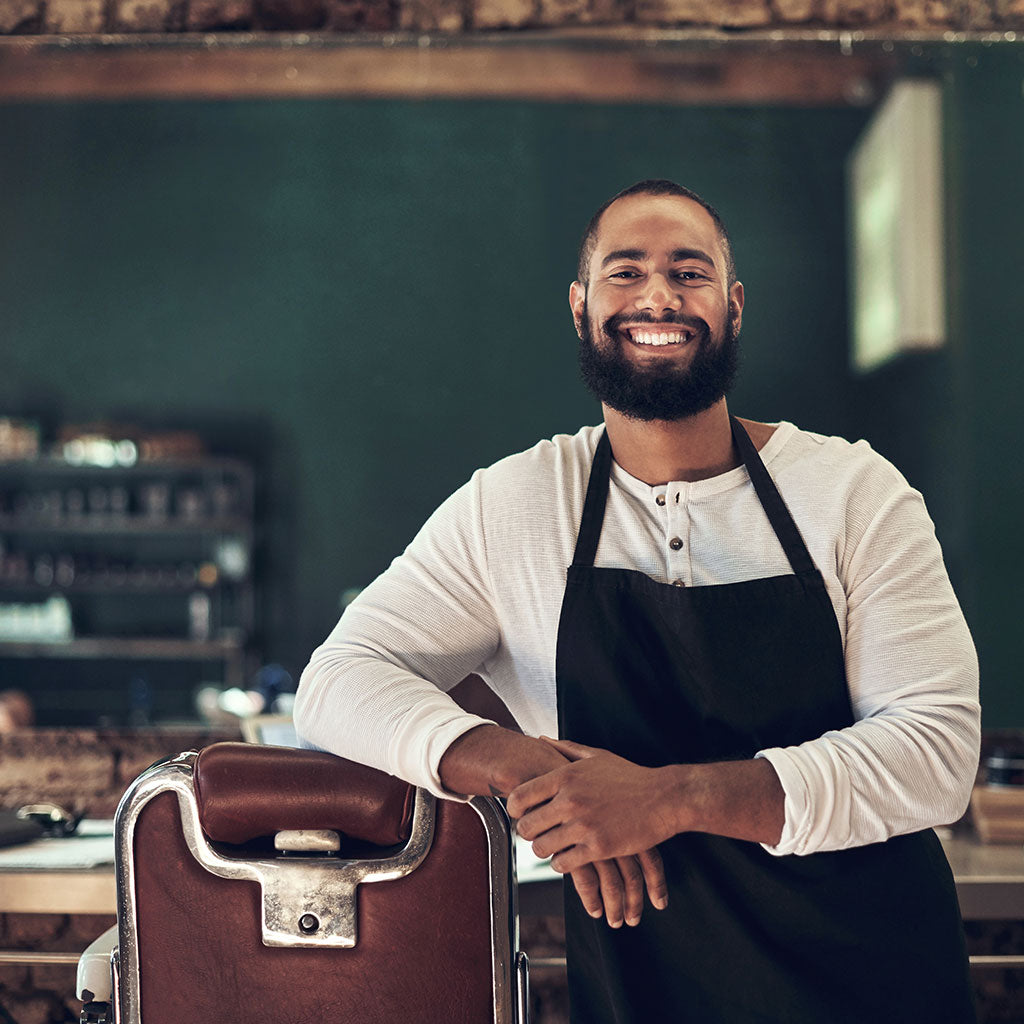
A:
652, 187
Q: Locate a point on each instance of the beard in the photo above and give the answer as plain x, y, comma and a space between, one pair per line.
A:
659, 390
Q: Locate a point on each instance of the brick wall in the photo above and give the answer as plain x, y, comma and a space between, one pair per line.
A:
75, 17
87, 770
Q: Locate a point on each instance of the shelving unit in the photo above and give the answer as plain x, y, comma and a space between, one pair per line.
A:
124, 567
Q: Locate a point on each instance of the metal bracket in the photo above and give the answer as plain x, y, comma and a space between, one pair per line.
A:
310, 901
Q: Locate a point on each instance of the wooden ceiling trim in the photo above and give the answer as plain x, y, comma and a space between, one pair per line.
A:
626, 73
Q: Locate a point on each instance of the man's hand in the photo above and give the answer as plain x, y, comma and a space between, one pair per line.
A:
615, 888
489, 760
604, 806
600, 806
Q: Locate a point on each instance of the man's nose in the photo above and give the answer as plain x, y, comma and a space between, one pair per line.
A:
658, 294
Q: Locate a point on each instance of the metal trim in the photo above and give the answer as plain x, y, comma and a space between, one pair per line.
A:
504, 907
115, 988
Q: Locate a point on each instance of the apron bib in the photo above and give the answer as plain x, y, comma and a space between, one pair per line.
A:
663, 674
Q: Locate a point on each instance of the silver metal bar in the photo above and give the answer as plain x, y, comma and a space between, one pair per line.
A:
997, 961
504, 908
547, 963
22, 956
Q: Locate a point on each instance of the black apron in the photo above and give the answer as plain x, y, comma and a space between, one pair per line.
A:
663, 674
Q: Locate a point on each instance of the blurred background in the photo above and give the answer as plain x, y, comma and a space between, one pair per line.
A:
363, 300
276, 278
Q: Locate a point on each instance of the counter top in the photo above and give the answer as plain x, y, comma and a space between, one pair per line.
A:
989, 881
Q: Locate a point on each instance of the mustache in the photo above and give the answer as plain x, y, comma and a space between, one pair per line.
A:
623, 320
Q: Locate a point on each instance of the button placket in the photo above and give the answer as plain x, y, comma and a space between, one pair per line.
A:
677, 537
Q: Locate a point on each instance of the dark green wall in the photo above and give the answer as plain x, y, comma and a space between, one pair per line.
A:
368, 298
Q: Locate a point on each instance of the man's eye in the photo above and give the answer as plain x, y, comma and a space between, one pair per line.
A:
691, 275
625, 273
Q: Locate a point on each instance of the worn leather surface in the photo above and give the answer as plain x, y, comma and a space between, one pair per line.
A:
423, 954
245, 791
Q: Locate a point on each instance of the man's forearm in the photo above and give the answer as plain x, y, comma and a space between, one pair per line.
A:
738, 799
490, 760
604, 806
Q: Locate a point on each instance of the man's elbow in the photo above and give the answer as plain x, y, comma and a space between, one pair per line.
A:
305, 712
959, 764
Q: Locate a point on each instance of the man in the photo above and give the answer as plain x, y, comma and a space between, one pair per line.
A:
757, 664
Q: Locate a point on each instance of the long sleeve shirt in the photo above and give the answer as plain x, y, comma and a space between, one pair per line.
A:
480, 588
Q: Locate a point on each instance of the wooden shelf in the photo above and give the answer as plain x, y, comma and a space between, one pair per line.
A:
128, 524
11, 588
142, 648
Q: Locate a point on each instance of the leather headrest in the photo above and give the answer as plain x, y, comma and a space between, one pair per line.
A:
245, 792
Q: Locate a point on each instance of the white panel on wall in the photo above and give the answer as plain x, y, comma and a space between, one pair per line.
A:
896, 226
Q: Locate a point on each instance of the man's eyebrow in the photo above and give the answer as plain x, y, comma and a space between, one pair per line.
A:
692, 254
624, 254
641, 254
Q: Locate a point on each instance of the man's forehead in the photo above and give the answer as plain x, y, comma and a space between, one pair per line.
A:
668, 223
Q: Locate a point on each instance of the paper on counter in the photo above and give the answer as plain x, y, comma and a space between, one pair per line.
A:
92, 846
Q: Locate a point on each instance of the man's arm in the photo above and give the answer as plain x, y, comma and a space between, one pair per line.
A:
374, 691
909, 760
490, 760
602, 805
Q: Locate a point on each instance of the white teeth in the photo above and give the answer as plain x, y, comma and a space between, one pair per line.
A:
655, 338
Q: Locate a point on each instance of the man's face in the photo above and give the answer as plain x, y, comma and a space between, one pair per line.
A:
658, 321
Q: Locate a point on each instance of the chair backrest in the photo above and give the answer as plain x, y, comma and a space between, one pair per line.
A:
412, 920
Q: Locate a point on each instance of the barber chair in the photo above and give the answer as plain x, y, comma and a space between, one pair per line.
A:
265, 884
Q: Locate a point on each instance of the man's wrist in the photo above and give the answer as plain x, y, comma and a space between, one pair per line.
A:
740, 799
681, 805
463, 767
489, 760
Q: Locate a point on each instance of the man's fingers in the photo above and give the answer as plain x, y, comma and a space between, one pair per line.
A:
555, 844
531, 793
616, 887
633, 889
537, 821
588, 888
654, 876
573, 751
611, 891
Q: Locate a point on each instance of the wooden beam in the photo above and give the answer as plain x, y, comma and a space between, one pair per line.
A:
430, 67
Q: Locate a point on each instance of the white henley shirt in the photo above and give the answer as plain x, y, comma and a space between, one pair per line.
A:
480, 588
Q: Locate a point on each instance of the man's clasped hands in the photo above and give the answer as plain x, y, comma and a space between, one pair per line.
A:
599, 818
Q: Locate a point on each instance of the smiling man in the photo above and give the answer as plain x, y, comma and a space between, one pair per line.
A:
745, 639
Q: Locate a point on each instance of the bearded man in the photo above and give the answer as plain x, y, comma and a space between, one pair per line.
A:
741, 674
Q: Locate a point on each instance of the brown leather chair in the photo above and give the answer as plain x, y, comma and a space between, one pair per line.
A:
233, 907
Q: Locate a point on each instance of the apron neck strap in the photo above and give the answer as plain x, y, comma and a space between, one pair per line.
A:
771, 501
593, 507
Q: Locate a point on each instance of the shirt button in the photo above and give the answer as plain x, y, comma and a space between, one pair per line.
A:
660, 499
675, 543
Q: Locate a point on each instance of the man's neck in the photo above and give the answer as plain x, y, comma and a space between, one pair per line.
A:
660, 451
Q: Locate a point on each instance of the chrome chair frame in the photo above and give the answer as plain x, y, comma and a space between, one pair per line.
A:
309, 901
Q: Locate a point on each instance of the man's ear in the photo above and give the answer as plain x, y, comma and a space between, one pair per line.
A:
577, 297
736, 303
